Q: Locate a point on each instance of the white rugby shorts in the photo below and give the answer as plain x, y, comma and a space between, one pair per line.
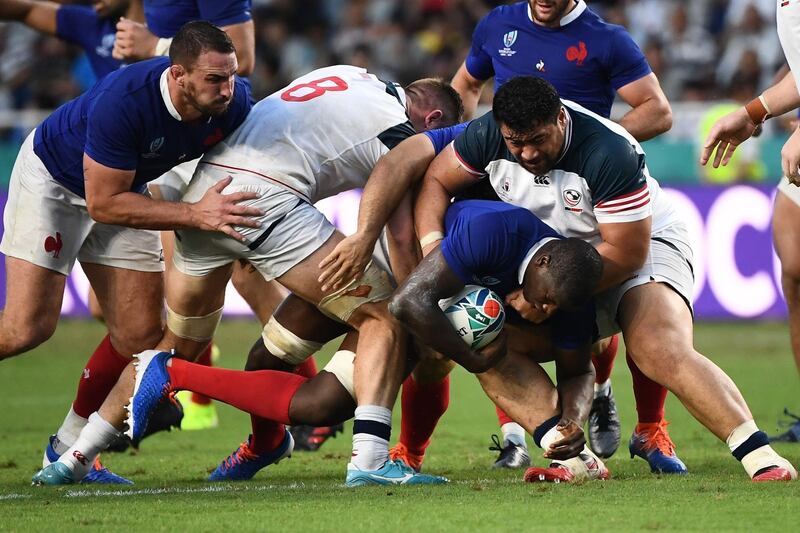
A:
48, 225
669, 261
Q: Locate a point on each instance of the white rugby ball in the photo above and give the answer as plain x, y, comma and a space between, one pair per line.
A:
476, 313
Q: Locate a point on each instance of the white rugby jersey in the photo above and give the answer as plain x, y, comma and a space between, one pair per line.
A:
320, 135
600, 178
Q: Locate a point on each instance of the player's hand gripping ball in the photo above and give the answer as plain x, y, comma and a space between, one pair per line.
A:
476, 313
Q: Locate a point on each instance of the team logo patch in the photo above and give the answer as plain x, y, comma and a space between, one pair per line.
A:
508, 41
577, 53
572, 197
155, 146
540, 66
53, 245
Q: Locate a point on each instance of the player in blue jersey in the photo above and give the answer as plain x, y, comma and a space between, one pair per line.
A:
599, 189
135, 41
91, 28
507, 248
75, 193
588, 61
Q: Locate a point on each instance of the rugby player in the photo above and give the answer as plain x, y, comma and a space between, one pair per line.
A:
75, 193
291, 158
599, 189
589, 62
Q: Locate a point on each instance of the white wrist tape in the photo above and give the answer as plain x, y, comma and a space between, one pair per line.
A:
431, 238
162, 46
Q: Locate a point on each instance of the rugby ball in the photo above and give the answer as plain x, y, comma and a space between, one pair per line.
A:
477, 314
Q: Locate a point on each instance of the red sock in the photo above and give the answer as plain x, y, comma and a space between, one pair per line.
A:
423, 406
267, 434
604, 362
264, 393
99, 377
307, 369
502, 417
205, 360
650, 396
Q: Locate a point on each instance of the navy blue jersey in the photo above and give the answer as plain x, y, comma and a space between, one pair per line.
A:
165, 17
441, 137
586, 59
82, 26
127, 122
491, 243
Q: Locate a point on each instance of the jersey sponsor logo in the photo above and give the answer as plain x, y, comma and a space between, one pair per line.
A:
508, 41
572, 198
53, 245
155, 146
540, 66
577, 53
541, 181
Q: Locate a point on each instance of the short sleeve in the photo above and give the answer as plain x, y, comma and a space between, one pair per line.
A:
477, 146
441, 137
77, 24
472, 243
616, 177
626, 62
478, 62
110, 137
225, 12
573, 329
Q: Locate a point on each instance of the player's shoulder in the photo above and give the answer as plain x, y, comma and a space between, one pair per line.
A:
129, 80
597, 143
593, 24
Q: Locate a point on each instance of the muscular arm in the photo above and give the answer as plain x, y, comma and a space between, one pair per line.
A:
469, 87
416, 306
575, 376
651, 114
404, 252
41, 16
624, 250
443, 180
110, 200
244, 39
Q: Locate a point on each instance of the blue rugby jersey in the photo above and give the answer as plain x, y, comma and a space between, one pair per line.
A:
82, 26
490, 244
586, 59
165, 17
127, 122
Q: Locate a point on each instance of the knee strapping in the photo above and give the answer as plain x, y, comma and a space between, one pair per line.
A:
285, 345
194, 328
342, 365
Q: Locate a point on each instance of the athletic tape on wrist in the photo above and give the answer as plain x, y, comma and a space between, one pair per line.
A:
430, 238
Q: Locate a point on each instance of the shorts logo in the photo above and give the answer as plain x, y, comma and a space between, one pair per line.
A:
541, 181
362, 291
155, 146
508, 41
53, 245
577, 53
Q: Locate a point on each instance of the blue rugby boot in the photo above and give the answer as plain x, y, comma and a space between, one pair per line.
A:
99, 474
152, 385
243, 463
391, 473
651, 442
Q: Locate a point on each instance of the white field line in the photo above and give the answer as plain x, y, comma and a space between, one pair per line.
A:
96, 493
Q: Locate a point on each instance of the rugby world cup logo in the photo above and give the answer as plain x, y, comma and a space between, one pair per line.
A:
510, 38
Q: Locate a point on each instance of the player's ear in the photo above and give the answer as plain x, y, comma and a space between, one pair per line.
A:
177, 72
432, 119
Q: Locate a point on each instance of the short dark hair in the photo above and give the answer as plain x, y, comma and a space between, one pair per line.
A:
526, 102
575, 268
195, 38
437, 93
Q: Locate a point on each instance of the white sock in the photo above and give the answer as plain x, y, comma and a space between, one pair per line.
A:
751, 447
69, 431
94, 438
602, 389
371, 431
513, 433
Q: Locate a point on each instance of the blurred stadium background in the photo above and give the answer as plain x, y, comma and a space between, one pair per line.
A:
709, 55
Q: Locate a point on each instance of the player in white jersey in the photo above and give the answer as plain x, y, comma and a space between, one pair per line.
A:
319, 136
735, 128
593, 183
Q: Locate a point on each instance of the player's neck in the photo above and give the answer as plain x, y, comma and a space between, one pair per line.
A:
556, 22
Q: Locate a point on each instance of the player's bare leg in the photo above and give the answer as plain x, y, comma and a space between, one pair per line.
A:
786, 236
658, 332
33, 305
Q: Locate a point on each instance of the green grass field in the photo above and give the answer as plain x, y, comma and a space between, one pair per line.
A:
307, 492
